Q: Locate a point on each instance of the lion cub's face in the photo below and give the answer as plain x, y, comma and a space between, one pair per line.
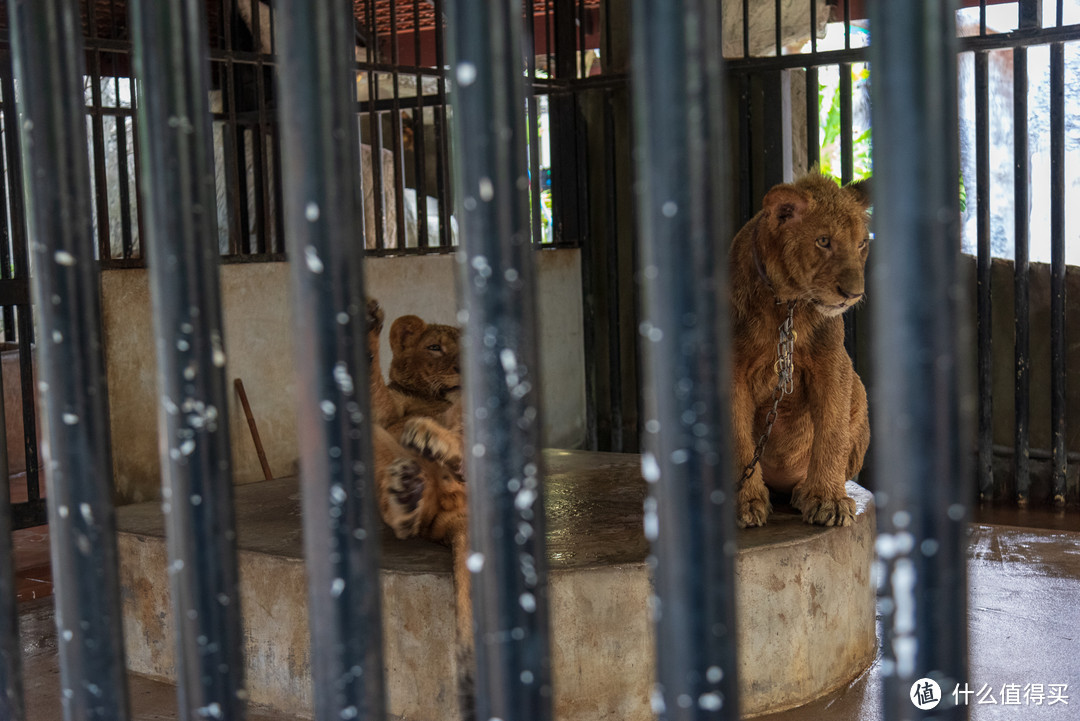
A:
814, 242
426, 357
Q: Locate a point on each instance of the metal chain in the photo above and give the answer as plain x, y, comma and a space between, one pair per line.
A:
785, 383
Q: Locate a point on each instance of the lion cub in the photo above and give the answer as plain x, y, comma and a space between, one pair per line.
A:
802, 256
418, 436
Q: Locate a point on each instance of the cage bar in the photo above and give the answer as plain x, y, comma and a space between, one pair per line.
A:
1021, 280
12, 706
509, 588
323, 222
616, 443
49, 70
1057, 271
920, 456
984, 307
182, 255
682, 209
813, 117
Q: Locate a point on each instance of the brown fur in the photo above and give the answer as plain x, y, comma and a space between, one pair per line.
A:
808, 244
419, 463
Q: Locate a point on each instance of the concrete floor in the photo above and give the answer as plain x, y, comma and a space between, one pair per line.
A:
1024, 625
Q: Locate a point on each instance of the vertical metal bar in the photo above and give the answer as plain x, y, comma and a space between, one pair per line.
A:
776, 127
9, 187
580, 46
847, 24
97, 127
689, 513
172, 69
614, 304
419, 152
985, 471
1030, 13
1057, 270
813, 28
746, 28
11, 689
813, 116
920, 460
982, 17
847, 142
1021, 184
442, 132
21, 263
536, 216
49, 71
323, 220
513, 675
778, 27
746, 139
123, 182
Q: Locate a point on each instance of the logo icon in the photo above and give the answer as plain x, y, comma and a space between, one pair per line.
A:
925, 694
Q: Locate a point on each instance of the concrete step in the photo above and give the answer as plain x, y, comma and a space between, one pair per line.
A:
805, 603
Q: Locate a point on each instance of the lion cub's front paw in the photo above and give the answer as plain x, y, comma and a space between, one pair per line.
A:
752, 507
434, 441
823, 507
375, 316
405, 490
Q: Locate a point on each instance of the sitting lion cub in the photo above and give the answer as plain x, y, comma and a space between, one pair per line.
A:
801, 257
418, 438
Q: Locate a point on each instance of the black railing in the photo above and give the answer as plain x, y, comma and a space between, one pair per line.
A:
921, 468
49, 68
176, 185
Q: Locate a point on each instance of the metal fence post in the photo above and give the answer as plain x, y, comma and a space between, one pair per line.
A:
325, 235
49, 70
684, 236
11, 689
501, 365
921, 448
178, 195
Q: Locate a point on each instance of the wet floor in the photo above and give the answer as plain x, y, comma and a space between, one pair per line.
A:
1024, 633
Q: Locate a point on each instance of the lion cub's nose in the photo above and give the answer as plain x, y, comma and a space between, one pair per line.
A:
847, 294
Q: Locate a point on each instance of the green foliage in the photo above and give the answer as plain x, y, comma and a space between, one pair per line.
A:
830, 130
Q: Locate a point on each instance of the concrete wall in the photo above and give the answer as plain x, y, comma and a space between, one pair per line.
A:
259, 349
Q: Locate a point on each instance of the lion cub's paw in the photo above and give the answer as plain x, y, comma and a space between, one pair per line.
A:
434, 441
752, 507
824, 508
375, 316
406, 489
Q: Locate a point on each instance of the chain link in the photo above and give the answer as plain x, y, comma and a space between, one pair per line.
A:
785, 383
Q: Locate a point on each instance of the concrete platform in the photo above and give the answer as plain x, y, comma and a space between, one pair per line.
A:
805, 603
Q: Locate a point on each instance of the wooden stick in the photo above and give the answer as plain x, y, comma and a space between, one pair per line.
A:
239, 384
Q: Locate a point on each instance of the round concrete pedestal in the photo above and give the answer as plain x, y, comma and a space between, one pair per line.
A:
804, 602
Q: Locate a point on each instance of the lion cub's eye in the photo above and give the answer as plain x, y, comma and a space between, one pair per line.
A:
436, 347
824, 241
863, 243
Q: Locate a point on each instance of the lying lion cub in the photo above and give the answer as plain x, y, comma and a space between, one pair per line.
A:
801, 257
418, 438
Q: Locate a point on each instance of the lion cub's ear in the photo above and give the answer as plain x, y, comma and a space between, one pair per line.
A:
785, 203
405, 328
861, 190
